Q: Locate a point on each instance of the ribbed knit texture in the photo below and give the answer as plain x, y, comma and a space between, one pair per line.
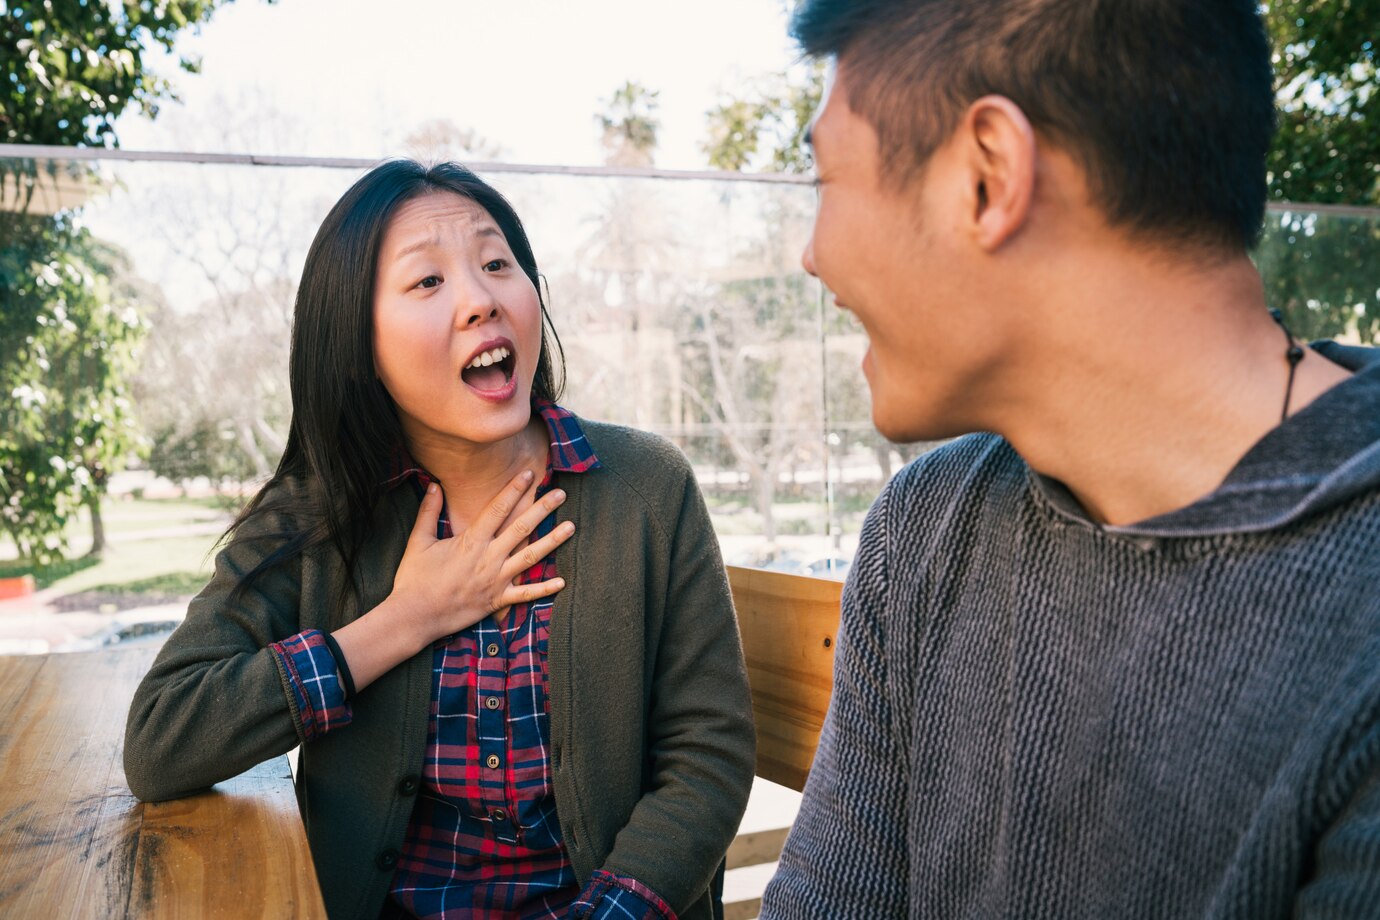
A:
1034, 716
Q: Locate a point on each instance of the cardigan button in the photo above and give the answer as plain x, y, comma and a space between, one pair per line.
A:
388, 859
492, 762
492, 649
408, 786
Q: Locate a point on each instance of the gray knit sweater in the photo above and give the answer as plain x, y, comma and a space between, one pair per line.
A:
1035, 716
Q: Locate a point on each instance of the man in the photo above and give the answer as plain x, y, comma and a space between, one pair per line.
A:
1119, 657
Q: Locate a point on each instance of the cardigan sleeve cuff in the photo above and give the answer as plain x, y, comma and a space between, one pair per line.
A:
609, 896
315, 681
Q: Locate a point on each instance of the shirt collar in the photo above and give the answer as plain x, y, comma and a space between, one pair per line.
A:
570, 451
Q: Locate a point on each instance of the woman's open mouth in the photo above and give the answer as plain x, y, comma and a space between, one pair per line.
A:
491, 373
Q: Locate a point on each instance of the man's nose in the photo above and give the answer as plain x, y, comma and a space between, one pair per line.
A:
807, 258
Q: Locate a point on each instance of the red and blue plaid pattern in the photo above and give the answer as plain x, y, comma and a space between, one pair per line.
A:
315, 683
608, 895
484, 840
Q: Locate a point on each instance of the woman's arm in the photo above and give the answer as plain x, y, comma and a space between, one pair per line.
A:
216, 700
221, 698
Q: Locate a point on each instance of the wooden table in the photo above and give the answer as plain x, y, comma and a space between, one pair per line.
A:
74, 842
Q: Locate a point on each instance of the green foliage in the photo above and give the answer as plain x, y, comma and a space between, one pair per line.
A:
768, 126
630, 124
1328, 89
70, 344
1323, 271
77, 65
71, 68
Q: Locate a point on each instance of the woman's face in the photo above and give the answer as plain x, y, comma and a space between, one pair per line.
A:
457, 324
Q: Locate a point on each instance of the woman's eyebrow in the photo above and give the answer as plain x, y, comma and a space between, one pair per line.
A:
432, 242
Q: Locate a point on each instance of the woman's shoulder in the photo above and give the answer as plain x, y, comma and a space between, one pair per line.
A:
632, 451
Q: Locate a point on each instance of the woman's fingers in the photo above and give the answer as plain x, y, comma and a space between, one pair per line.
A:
525, 594
504, 502
428, 514
534, 552
525, 524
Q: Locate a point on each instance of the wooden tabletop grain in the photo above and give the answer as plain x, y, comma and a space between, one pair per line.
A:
74, 842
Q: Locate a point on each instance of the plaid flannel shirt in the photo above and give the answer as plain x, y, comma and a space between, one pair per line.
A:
484, 840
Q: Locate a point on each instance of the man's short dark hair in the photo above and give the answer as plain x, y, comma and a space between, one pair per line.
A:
1167, 104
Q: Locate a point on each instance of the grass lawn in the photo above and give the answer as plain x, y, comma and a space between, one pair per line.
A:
172, 563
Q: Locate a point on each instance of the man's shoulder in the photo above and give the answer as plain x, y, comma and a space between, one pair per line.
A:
944, 503
975, 465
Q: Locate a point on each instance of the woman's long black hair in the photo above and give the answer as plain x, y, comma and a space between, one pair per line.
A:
345, 428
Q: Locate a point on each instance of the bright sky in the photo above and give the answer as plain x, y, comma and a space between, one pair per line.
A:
353, 77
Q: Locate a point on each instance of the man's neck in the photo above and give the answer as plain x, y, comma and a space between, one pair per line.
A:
1156, 379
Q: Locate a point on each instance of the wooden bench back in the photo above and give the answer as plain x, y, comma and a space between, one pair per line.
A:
789, 625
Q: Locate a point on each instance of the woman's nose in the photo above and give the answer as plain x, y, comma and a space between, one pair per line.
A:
474, 315
478, 303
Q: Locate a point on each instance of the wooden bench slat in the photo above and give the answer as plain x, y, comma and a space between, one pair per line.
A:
789, 624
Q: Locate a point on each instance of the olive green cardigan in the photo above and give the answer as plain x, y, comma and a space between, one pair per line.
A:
651, 725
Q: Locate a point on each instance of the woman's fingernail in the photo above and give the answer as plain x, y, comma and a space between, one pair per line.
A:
527, 475
567, 528
431, 489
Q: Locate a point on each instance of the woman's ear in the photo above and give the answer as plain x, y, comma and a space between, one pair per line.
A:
1001, 148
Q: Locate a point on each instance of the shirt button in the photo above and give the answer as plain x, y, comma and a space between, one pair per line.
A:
492, 650
408, 786
492, 761
500, 815
387, 860
492, 702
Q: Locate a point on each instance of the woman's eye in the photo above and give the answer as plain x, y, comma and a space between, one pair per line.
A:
497, 265
430, 281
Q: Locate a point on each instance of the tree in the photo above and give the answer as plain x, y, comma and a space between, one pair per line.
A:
68, 423
1323, 270
629, 124
70, 330
1328, 91
767, 128
246, 235
441, 139
78, 65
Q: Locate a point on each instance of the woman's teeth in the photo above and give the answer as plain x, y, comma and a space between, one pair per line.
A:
492, 356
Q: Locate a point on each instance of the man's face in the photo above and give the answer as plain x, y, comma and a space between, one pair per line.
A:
890, 247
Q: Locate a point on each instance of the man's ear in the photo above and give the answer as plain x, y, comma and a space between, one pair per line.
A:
1001, 165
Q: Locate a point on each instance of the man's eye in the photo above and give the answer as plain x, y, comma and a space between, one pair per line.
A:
497, 265
430, 281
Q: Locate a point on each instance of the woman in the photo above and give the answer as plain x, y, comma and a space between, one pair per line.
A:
543, 715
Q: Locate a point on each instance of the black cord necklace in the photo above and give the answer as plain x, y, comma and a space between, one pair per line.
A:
1294, 355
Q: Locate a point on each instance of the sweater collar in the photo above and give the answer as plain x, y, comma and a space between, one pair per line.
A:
1316, 459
